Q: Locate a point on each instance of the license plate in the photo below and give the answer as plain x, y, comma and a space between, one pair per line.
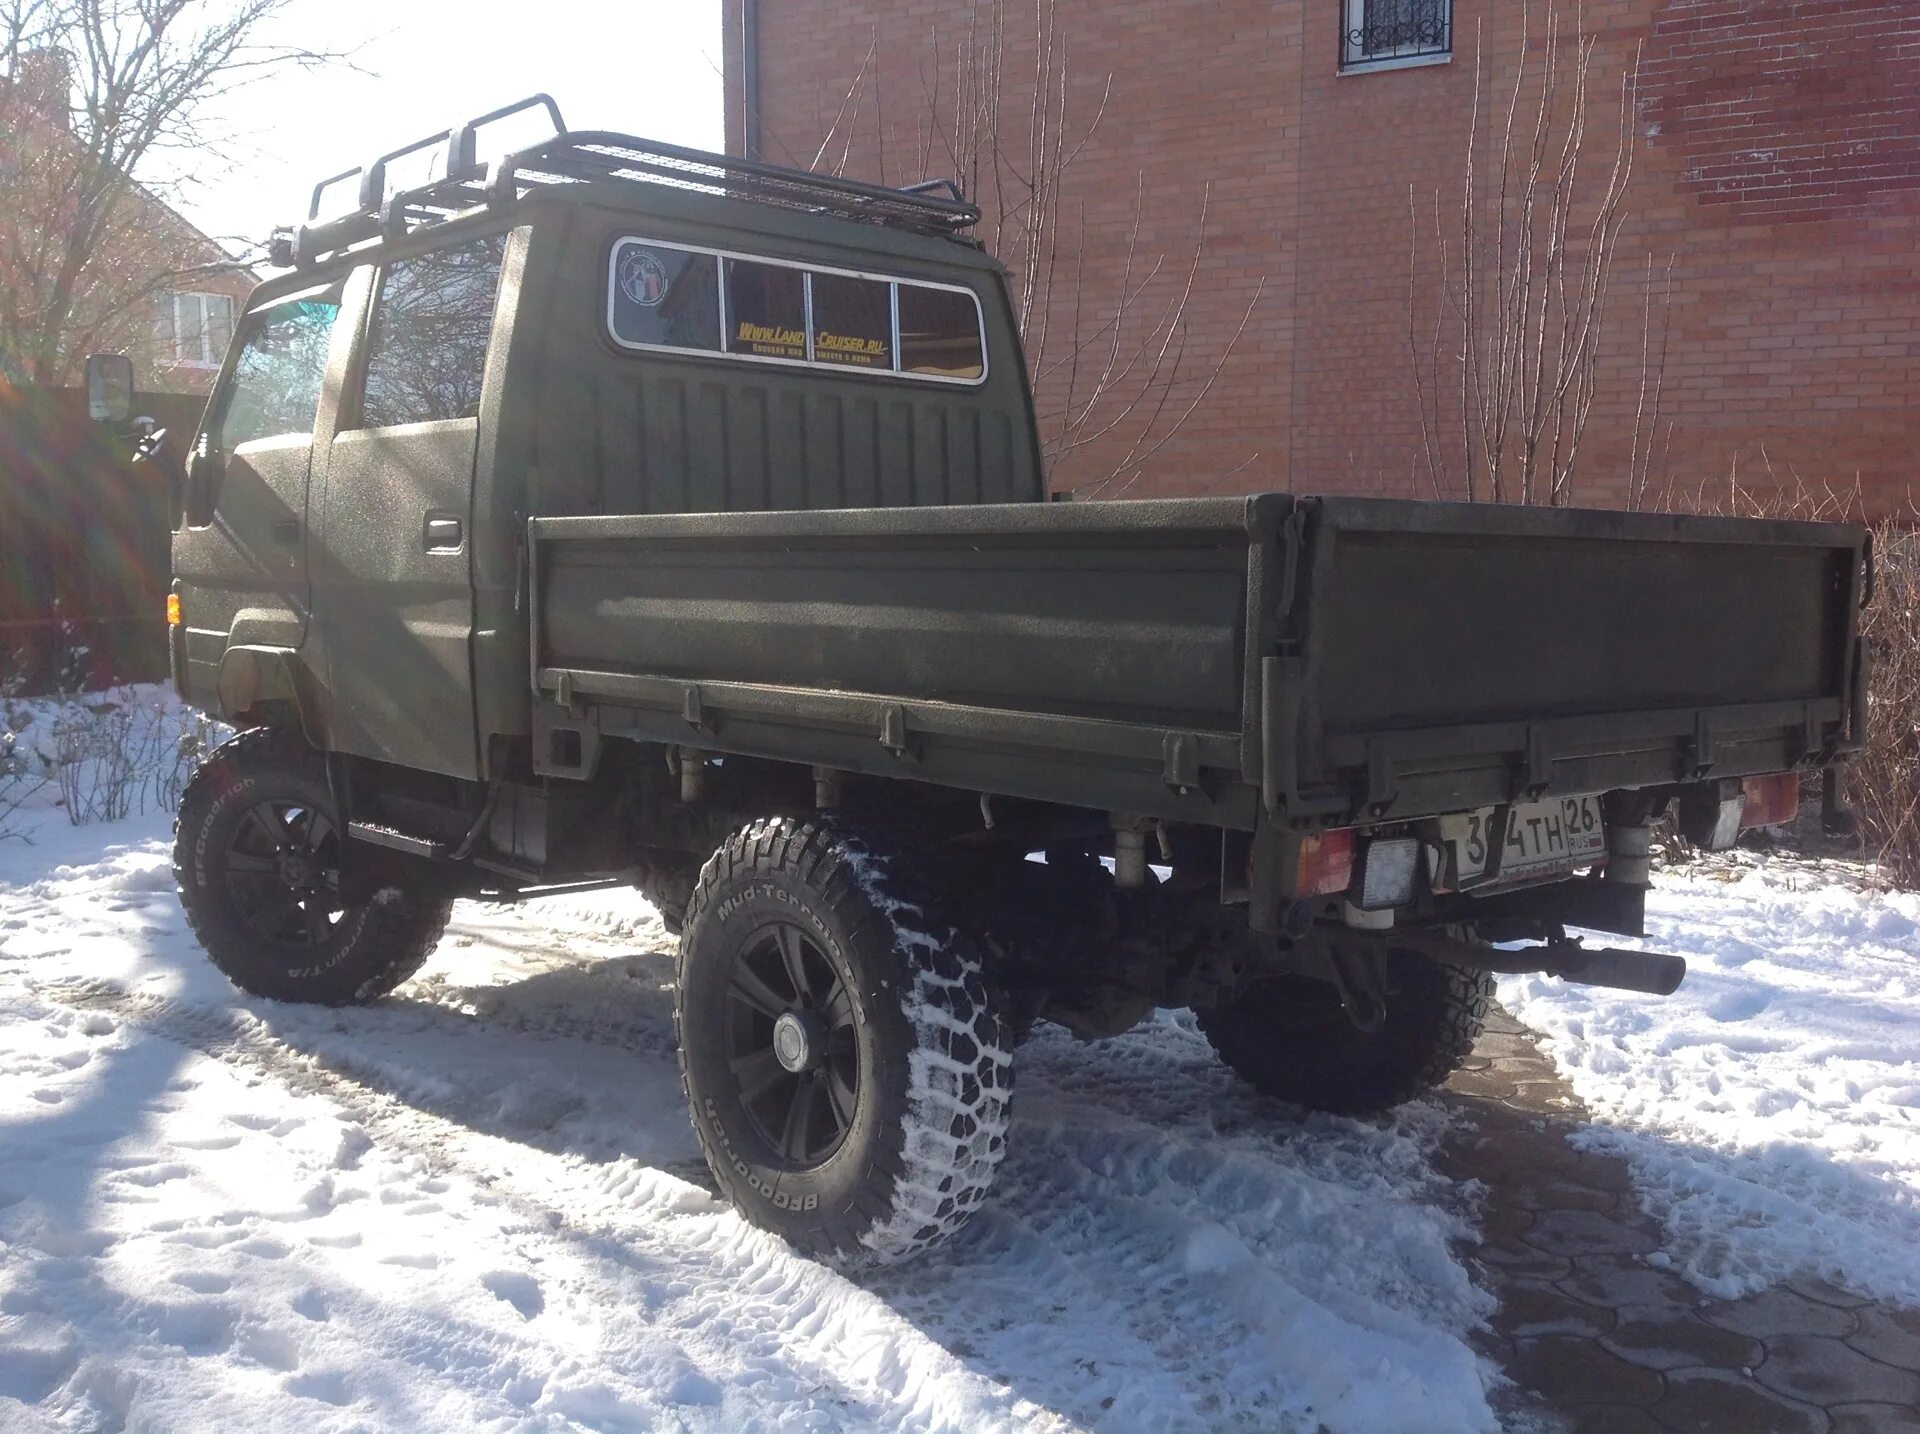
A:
1542, 838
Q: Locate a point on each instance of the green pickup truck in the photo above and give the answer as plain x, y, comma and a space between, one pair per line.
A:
610, 512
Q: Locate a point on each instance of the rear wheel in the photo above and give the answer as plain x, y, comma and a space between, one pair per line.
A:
258, 849
1289, 1036
848, 1074
668, 883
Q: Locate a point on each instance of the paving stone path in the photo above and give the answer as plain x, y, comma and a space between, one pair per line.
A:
1597, 1340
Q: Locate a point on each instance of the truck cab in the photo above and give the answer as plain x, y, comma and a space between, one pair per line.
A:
395, 408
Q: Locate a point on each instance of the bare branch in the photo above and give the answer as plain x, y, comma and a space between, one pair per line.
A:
91, 93
1528, 291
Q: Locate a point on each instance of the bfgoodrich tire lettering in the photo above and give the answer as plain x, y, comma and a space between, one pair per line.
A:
930, 1074
255, 856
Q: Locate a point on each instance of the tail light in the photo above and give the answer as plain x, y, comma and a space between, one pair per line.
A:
1326, 863
1769, 801
174, 618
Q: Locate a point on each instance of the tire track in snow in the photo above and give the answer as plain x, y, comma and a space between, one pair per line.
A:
1163, 1248
635, 1219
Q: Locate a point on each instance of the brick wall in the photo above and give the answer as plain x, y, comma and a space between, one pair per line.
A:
1778, 174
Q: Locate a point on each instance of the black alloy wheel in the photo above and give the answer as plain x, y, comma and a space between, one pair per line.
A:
283, 872
792, 1044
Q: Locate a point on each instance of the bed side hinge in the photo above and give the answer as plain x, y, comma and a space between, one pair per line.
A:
893, 730
1702, 755
1180, 768
1382, 786
1539, 764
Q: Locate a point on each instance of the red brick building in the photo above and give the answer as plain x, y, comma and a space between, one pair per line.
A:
153, 287
1777, 173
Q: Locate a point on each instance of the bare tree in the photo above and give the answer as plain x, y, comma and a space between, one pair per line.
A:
1524, 277
1114, 367
92, 94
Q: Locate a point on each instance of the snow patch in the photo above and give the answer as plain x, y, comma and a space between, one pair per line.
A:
1767, 1108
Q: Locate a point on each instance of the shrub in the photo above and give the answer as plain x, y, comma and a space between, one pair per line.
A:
18, 782
1885, 781
121, 756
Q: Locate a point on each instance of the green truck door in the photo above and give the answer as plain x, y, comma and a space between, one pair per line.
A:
248, 568
393, 582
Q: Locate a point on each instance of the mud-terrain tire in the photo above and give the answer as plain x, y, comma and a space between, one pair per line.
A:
256, 856
669, 885
1288, 1037
847, 1070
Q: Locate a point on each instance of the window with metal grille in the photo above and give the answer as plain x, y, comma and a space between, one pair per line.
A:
1381, 33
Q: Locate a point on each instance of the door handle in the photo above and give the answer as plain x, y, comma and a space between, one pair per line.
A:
443, 535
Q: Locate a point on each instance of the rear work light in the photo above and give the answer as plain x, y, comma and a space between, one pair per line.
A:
1326, 863
1387, 867
1769, 801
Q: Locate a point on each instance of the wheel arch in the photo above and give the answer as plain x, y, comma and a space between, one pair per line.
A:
257, 683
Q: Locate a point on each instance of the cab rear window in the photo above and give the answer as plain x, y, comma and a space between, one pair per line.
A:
678, 299
766, 311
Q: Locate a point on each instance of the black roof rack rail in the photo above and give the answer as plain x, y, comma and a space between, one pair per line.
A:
935, 207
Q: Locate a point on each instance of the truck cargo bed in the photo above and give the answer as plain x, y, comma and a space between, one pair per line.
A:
1330, 658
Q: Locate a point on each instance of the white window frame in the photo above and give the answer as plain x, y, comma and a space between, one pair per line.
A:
722, 256
208, 356
1353, 19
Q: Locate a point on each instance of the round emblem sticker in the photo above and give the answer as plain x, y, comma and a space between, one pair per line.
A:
643, 278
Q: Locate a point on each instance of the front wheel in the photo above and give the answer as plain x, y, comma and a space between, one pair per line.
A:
848, 1074
1289, 1036
257, 855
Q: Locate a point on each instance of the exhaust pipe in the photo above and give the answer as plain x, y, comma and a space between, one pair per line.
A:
1653, 973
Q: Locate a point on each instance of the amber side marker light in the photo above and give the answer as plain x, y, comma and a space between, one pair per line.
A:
173, 610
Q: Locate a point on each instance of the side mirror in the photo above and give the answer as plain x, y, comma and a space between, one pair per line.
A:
204, 467
109, 388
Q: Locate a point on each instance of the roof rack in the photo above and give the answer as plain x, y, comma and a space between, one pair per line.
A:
468, 186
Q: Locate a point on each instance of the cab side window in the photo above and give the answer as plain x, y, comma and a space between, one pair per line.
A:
274, 389
427, 348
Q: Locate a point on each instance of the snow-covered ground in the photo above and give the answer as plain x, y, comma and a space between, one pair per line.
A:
479, 1205
1771, 1108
